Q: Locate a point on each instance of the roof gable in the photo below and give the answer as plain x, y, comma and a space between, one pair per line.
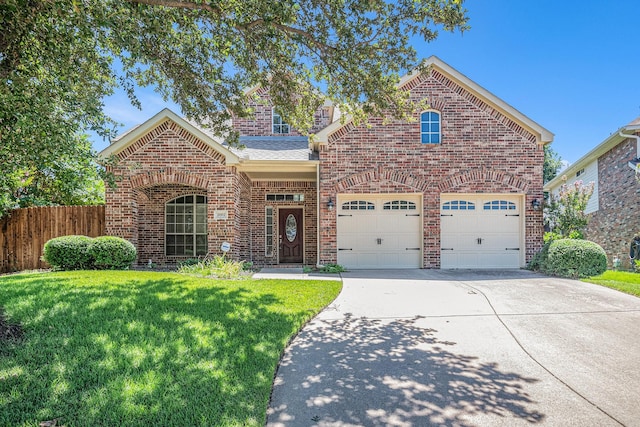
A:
476, 94
129, 138
605, 146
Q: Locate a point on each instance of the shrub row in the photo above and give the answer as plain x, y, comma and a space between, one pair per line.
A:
82, 253
573, 258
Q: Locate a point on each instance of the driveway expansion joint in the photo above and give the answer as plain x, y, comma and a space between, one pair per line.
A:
536, 361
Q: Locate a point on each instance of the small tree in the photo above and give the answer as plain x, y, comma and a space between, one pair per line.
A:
564, 213
552, 163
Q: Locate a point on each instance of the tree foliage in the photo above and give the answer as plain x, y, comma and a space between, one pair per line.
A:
565, 210
72, 178
58, 58
552, 163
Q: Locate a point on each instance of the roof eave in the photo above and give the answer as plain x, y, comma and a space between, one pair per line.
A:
141, 130
606, 145
543, 136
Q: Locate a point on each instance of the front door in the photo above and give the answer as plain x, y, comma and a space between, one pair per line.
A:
290, 235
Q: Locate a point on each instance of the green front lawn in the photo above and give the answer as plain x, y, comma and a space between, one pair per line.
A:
143, 348
621, 280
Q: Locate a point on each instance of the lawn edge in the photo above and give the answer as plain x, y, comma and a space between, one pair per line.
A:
290, 340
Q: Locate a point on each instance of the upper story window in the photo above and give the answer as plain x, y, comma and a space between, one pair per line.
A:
430, 127
277, 124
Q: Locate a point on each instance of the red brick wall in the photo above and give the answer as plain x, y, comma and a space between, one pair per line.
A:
482, 151
166, 163
617, 220
261, 123
259, 190
242, 224
151, 220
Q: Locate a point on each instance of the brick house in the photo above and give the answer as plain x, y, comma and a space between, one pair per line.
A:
613, 208
455, 188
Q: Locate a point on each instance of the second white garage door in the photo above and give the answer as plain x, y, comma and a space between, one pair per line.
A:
379, 231
481, 231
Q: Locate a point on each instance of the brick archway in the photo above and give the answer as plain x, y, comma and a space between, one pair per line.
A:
168, 176
382, 174
482, 175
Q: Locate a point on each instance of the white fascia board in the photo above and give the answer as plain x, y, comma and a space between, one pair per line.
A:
543, 135
278, 165
130, 137
606, 145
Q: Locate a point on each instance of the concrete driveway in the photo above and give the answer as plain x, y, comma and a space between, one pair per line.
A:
464, 348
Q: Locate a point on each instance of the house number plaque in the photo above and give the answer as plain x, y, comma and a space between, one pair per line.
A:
220, 215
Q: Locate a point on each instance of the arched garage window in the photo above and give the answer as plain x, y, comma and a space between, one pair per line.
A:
186, 226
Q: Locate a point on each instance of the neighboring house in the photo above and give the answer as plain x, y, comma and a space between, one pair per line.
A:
455, 188
614, 206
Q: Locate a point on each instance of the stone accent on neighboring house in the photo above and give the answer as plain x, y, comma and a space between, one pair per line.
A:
617, 220
482, 151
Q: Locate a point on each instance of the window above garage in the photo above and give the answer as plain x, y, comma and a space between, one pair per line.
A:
430, 127
399, 205
458, 205
499, 205
358, 205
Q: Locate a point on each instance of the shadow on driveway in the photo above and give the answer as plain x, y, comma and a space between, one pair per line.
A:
391, 372
440, 275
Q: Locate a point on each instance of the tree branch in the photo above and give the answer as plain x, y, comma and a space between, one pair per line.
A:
179, 4
240, 27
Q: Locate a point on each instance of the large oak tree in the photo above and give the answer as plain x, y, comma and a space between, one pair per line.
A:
57, 61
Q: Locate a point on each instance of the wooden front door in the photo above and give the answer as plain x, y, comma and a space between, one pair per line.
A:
290, 235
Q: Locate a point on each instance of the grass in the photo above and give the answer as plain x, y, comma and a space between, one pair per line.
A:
217, 266
145, 348
621, 280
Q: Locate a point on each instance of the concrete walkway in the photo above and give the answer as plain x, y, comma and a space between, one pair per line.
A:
461, 348
293, 274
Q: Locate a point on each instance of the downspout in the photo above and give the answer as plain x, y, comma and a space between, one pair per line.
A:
634, 163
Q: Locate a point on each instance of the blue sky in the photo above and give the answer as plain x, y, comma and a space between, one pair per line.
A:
572, 66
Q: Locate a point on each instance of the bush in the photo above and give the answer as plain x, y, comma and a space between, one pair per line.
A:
332, 268
112, 253
539, 260
68, 253
188, 262
575, 258
217, 266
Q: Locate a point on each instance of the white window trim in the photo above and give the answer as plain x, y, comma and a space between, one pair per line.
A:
268, 237
431, 133
195, 233
282, 123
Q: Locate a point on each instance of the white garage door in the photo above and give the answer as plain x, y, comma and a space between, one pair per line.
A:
481, 231
379, 231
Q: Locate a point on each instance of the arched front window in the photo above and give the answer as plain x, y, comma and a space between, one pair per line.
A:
430, 127
186, 226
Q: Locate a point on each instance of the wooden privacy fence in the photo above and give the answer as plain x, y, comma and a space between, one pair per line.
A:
25, 231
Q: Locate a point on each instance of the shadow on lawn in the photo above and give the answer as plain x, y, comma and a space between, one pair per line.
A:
361, 371
160, 352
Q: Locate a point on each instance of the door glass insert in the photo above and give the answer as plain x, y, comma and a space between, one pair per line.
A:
291, 228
